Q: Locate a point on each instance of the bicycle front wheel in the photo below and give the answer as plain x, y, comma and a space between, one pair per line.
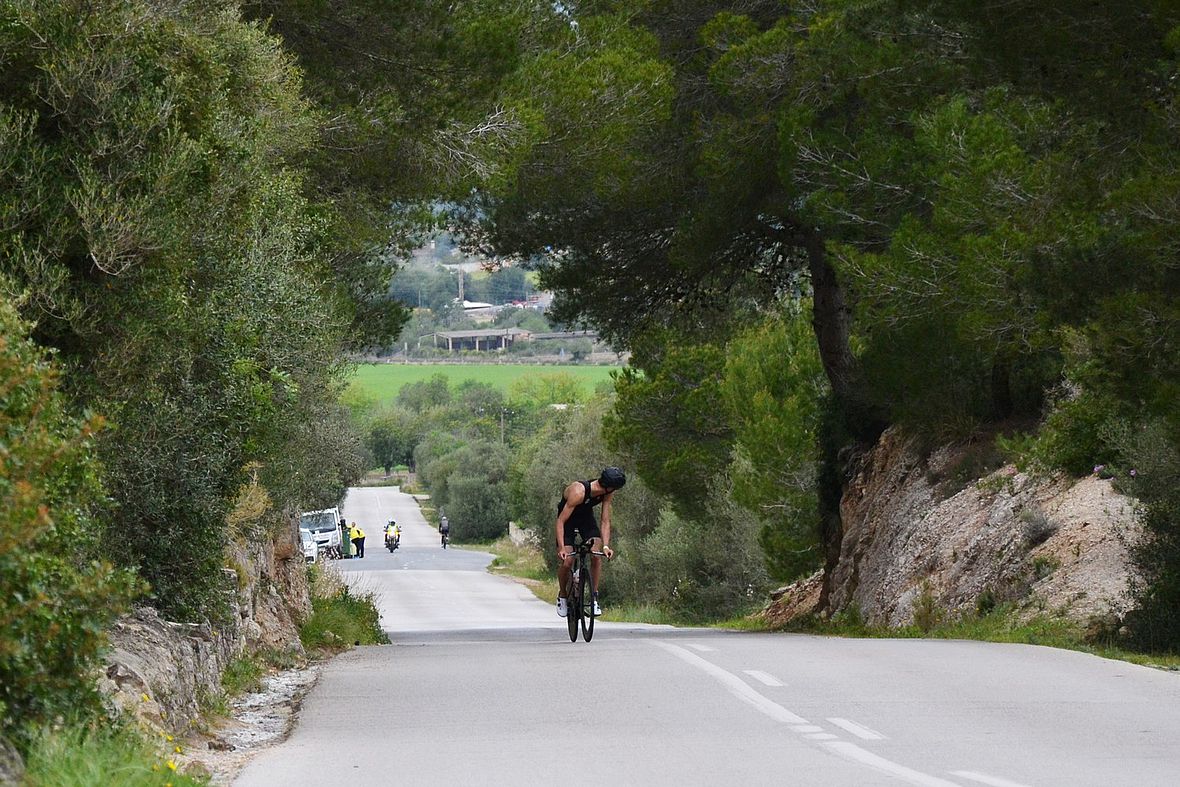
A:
587, 604
573, 609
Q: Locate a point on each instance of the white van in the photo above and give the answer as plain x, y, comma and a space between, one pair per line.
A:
324, 527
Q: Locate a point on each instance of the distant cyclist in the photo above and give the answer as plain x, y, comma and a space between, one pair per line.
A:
444, 528
575, 511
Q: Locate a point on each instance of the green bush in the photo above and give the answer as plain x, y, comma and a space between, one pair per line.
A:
57, 598
342, 620
478, 509
1152, 460
702, 569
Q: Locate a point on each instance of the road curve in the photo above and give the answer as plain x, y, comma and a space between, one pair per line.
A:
482, 686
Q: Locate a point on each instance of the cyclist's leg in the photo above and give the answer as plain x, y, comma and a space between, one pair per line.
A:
563, 571
596, 563
563, 576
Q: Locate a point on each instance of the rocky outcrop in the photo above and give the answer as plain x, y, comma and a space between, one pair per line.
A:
911, 539
12, 767
162, 672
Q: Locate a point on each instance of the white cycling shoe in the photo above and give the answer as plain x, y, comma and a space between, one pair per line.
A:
597, 609
562, 610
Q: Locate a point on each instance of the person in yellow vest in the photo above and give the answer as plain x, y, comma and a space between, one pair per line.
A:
357, 536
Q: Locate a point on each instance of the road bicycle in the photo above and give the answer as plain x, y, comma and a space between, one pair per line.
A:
446, 537
580, 597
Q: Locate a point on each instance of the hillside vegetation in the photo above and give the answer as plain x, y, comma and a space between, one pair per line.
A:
190, 251
810, 221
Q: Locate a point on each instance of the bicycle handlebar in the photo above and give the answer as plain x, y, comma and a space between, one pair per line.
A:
589, 552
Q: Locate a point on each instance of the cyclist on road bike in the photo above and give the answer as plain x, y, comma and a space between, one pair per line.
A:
444, 527
575, 511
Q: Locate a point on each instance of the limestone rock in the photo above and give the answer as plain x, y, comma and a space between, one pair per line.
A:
1046, 545
12, 767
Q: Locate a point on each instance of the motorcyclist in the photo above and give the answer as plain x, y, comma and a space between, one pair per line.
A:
393, 535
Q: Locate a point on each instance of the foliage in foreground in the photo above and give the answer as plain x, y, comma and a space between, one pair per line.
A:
57, 597
77, 756
153, 213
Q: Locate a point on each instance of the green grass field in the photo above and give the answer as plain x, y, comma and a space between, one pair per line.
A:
382, 381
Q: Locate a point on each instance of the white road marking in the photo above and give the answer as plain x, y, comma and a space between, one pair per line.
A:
821, 736
853, 752
983, 778
806, 728
850, 751
736, 685
859, 730
701, 648
764, 677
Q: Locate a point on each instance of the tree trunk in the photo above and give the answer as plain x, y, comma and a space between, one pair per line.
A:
831, 319
853, 422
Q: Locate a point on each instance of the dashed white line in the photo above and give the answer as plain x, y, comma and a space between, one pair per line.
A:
853, 752
850, 751
763, 677
859, 730
821, 736
983, 778
736, 685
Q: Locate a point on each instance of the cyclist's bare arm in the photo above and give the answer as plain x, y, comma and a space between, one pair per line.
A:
574, 495
604, 525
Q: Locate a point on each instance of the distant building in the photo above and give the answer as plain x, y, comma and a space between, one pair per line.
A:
486, 339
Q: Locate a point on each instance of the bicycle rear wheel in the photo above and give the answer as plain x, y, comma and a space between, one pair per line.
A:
573, 608
587, 605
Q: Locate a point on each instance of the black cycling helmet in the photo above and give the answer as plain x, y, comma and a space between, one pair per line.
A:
612, 478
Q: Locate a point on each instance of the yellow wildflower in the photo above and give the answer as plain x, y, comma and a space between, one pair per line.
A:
171, 765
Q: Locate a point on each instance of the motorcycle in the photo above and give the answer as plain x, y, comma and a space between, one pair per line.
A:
393, 542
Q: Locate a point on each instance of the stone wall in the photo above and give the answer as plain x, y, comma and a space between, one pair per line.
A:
161, 672
1056, 546
523, 537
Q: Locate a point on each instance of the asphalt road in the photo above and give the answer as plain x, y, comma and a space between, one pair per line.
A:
482, 686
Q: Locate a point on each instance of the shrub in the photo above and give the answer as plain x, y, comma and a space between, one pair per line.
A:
698, 569
478, 509
342, 619
1152, 451
1037, 526
985, 603
927, 615
57, 598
